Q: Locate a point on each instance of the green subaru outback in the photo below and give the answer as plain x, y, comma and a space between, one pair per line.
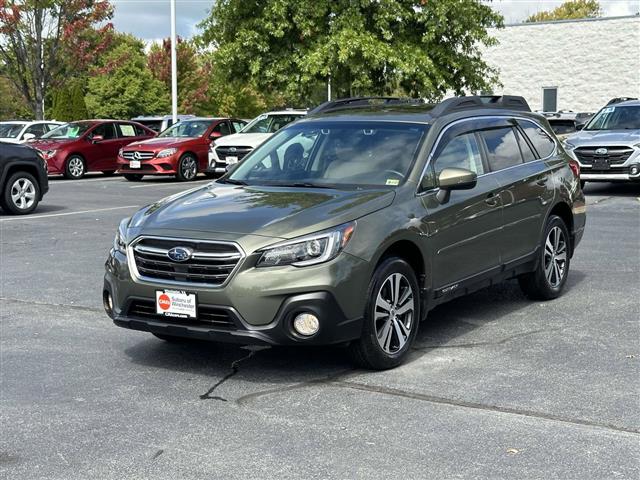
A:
348, 226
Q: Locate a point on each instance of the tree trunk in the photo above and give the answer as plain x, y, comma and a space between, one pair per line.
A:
39, 67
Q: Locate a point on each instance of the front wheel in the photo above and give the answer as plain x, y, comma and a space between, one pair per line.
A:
21, 194
547, 280
391, 316
74, 167
187, 168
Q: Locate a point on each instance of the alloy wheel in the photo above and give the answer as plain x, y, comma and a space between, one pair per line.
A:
394, 312
555, 257
23, 193
76, 167
189, 168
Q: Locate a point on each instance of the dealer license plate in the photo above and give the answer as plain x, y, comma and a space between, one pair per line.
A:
134, 164
232, 160
176, 303
601, 164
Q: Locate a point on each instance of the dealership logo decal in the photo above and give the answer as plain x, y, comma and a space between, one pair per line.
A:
180, 254
601, 151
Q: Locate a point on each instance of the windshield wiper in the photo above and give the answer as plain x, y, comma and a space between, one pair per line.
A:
232, 181
304, 185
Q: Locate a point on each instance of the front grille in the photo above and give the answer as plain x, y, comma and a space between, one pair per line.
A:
207, 316
131, 155
240, 152
614, 155
211, 263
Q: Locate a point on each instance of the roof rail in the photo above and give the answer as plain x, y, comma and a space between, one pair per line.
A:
507, 102
613, 101
363, 102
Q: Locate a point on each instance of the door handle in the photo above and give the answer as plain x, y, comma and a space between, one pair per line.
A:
492, 199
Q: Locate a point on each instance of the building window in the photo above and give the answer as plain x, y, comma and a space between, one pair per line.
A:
549, 99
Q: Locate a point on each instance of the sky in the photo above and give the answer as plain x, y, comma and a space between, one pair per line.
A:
149, 19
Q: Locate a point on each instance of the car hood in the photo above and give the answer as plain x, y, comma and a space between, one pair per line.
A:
605, 137
159, 143
280, 212
243, 139
50, 143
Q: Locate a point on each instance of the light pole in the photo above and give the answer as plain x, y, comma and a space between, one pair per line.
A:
174, 65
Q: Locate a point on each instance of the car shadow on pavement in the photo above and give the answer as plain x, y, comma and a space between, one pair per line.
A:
612, 189
42, 209
272, 369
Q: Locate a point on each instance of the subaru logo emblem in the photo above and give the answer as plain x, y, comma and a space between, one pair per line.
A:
601, 151
180, 254
232, 149
137, 155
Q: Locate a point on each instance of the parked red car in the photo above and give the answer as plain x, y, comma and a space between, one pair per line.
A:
181, 150
76, 148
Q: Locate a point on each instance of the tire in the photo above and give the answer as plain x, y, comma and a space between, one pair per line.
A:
390, 351
582, 184
133, 177
187, 168
547, 281
108, 173
21, 194
75, 167
211, 175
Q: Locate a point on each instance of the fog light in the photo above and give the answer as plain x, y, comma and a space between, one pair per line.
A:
306, 324
634, 170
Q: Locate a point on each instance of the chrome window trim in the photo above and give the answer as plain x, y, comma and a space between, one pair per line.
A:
184, 285
436, 144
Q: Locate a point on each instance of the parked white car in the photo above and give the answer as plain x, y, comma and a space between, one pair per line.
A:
20, 131
231, 149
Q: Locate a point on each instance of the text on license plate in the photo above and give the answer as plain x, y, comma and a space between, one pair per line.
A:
134, 164
176, 303
232, 160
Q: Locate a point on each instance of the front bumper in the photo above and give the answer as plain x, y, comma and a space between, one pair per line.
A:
257, 306
154, 166
613, 176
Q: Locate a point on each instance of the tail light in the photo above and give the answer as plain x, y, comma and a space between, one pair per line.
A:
575, 168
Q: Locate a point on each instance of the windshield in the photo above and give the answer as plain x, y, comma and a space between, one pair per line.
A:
616, 118
10, 130
68, 130
333, 154
269, 123
187, 129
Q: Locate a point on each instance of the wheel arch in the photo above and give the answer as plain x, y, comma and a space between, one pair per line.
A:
563, 210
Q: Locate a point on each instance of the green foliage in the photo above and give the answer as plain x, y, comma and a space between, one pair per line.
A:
12, 105
573, 9
122, 86
291, 47
68, 103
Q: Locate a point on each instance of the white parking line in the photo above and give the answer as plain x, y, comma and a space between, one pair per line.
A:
61, 181
35, 217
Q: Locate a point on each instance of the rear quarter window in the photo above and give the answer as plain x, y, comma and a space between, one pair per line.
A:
540, 140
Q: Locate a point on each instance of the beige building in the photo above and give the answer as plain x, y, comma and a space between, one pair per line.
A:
574, 65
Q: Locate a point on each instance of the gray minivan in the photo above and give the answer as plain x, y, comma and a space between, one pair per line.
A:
348, 226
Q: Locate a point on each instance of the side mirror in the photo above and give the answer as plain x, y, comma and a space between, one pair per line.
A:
454, 179
97, 138
215, 135
28, 136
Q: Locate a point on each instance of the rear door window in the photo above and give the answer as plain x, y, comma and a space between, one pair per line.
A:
540, 140
126, 130
502, 148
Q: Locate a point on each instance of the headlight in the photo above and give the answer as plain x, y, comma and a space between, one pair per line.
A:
120, 242
568, 145
308, 250
48, 153
167, 152
120, 152
44, 160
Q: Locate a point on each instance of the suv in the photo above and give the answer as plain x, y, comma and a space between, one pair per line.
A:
23, 178
76, 148
231, 150
608, 147
160, 123
19, 131
350, 225
181, 150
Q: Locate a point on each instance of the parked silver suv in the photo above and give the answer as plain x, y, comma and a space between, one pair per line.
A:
608, 148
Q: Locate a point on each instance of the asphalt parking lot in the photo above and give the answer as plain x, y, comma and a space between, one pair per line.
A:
497, 387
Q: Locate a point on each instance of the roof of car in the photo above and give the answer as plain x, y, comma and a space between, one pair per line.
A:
628, 103
287, 112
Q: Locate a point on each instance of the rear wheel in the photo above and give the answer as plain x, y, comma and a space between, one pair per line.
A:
21, 195
133, 177
74, 167
548, 279
391, 316
187, 168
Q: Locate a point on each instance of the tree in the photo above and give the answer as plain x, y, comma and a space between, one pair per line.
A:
68, 103
12, 106
291, 47
41, 38
121, 85
569, 10
193, 73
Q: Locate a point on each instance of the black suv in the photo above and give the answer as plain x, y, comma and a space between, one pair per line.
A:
23, 178
349, 225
